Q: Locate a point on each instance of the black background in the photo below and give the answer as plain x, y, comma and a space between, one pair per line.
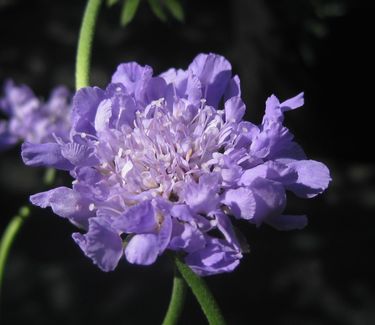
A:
321, 275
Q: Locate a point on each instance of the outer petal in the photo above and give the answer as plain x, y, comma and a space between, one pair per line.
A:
46, 154
101, 243
164, 233
270, 199
142, 249
216, 257
103, 115
140, 218
155, 89
133, 76
182, 212
233, 88
274, 142
225, 226
313, 178
85, 105
202, 197
287, 222
186, 237
272, 170
241, 202
293, 103
214, 72
66, 203
234, 109
7, 139
78, 154
275, 110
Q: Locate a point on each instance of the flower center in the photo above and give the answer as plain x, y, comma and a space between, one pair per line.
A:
165, 148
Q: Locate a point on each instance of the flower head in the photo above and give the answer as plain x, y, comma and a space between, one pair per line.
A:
159, 163
31, 119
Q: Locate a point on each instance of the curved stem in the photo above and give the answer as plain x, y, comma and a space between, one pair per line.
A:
15, 225
86, 36
177, 299
203, 294
9, 236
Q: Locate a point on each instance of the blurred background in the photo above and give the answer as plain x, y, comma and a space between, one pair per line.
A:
321, 275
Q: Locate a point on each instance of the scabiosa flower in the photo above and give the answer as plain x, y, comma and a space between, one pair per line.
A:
167, 162
30, 118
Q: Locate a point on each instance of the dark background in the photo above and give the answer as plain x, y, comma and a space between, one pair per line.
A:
321, 275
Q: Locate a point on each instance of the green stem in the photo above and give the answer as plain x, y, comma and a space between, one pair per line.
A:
177, 300
9, 236
86, 36
202, 293
15, 225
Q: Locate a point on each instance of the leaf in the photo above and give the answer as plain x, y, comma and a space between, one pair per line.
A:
157, 9
129, 9
111, 3
175, 8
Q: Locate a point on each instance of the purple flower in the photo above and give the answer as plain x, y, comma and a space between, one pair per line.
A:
159, 164
31, 119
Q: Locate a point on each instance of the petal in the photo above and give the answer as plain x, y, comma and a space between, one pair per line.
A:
273, 111
140, 218
193, 89
216, 257
133, 76
241, 202
225, 226
287, 222
270, 199
7, 139
66, 203
101, 243
46, 154
155, 89
86, 101
233, 88
78, 154
214, 72
293, 103
103, 115
142, 249
186, 237
164, 233
313, 178
202, 197
234, 110
274, 142
272, 170
182, 212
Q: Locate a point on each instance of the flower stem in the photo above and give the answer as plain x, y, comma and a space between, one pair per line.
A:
9, 236
203, 294
15, 225
86, 36
177, 299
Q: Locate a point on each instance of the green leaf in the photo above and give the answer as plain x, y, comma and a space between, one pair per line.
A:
128, 12
157, 9
111, 3
175, 8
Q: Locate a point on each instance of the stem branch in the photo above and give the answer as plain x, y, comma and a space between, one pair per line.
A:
9, 236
